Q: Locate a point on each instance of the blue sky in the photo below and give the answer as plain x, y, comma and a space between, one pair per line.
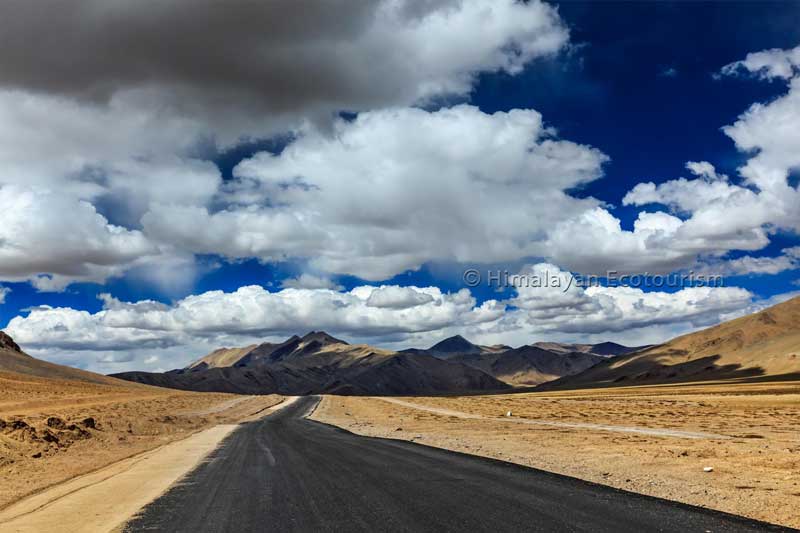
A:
633, 91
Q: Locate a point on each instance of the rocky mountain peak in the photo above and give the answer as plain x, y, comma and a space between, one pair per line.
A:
321, 337
455, 344
7, 343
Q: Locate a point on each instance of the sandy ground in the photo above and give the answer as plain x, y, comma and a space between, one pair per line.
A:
52, 431
651, 440
106, 498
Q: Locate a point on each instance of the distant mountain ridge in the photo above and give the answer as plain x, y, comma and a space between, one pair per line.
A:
527, 365
320, 363
605, 349
456, 346
266, 352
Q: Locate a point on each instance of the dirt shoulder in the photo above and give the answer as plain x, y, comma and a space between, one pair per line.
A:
107, 498
651, 440
52, 431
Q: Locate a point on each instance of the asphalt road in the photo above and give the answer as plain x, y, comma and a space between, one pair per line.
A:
285, 473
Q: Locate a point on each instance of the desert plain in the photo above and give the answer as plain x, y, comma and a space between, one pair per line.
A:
53, 430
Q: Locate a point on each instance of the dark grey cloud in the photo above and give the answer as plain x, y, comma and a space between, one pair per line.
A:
93, 48
280, 56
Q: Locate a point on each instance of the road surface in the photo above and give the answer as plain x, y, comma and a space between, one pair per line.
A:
286, 473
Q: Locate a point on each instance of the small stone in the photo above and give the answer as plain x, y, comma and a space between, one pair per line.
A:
16, 425
708, 469
508, 413
37, 455
56, 423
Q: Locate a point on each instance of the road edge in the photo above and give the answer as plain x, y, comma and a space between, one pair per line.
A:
190, 452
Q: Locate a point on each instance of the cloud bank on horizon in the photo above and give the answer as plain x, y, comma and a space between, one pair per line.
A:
384, 167
122, 331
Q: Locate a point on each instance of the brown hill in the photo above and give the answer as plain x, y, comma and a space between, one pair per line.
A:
456, 346
761, 346
320, 363
406, 374
530, 365
14, 361
527, 365
266, 352
606, 349
223, 357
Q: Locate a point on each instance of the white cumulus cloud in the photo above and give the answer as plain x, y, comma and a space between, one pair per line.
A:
393, 190
710, 214
52, 238
124, 334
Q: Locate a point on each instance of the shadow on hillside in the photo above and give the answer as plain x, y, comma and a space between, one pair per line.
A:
705, 369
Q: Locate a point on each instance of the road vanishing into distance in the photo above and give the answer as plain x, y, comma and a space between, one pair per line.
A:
286, 473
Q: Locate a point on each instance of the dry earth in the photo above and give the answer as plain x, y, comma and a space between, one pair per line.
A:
53, 430
653, 440
107, 498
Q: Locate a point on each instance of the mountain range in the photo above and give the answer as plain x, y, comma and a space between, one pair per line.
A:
527, 365
321, 363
